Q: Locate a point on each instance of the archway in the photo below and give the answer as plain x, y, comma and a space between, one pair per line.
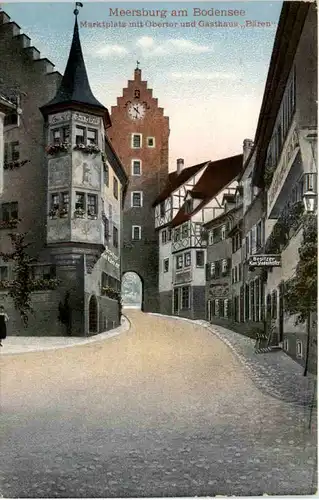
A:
93, 315
132, 291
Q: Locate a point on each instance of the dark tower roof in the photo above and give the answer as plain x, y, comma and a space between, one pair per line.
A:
74, 90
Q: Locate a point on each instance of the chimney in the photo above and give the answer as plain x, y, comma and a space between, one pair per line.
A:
247, 147
180, 165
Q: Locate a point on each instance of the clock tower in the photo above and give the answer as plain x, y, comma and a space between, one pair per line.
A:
139, 135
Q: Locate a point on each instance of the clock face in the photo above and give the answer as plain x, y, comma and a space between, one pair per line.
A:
136, 111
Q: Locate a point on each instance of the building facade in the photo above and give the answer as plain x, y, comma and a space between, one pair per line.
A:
180, 212
286, 160
57, 150
140, 134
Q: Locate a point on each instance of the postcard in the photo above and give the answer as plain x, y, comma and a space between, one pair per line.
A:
158, 249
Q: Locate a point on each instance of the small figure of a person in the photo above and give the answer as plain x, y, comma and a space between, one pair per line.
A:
4, 318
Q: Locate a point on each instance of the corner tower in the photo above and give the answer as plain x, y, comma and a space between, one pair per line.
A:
140, 134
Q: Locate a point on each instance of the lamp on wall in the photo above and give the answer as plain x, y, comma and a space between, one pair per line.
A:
309, 199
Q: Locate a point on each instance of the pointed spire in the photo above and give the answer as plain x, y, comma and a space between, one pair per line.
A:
75, 87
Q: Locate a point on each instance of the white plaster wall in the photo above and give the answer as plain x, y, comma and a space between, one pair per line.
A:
165, 252
198, 273
1, 151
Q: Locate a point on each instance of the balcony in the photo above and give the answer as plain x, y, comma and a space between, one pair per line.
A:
182, 276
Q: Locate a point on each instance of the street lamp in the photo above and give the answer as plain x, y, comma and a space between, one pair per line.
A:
309, 200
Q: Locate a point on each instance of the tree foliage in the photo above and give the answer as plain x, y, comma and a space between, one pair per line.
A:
21, 287
301, 290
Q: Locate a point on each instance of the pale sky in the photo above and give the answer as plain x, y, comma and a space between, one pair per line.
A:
209, 80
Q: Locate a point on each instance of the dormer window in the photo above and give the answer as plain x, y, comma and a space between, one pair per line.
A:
188, 206
162, 209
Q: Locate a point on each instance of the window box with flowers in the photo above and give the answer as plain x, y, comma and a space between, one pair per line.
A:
88, 149
63, 212
92, 214
79, 213
9, 224
111, 293
15, 164
59, 147
54, 213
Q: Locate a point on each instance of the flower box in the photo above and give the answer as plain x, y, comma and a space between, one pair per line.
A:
63, 212
61, 147
79, 213
111, 293
15, 164
88, 149
9, 224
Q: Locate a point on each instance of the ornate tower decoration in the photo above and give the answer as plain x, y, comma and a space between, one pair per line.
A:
140, 134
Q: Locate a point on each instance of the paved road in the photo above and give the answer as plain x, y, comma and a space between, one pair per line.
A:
165, 409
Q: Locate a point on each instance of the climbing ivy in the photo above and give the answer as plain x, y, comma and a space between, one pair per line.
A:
21, 287
301, 290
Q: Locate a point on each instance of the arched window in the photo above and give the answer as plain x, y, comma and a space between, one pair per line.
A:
299, 349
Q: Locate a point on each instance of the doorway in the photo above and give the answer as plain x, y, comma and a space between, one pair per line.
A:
132, 291
93, 315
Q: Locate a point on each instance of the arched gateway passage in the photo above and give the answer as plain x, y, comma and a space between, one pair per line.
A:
132, 291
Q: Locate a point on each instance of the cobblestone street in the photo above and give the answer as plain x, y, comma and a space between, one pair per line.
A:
164, 409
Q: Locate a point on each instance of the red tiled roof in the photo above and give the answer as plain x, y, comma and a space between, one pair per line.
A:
176, 180
216, 176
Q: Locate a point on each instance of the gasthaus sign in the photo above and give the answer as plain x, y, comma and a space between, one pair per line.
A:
265, 261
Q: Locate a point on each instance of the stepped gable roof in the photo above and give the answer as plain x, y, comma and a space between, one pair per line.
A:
216, 176
176, 180
75, 88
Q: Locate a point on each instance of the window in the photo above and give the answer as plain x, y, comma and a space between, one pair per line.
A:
91, 136
136, 141
286, 344
239, 272
166, 265
136, 232
223, 232
217, 307
136, 200
65, 199
106, 228
92, 205
258, 235
136, 167
179, 262
198, 228
213, 269
162, 209
56, 135
274, 304
115, 237
247, 246
66, 134
224, 266
200, 259
185, 230
185, 297
176, 300
164, 236
79, 135
55, 201
3, 273
11, 152
187, 259
79, 201
115, 188
211, 237
225, 308
9, 211
11, 118
169, 234
177, 234
188, 207
299, 349
151, 142
106, 176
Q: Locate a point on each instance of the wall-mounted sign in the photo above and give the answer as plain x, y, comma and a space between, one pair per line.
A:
264, 261
60, 117
112, 258
93, 120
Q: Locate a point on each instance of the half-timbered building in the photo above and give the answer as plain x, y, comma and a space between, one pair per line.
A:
193, 203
